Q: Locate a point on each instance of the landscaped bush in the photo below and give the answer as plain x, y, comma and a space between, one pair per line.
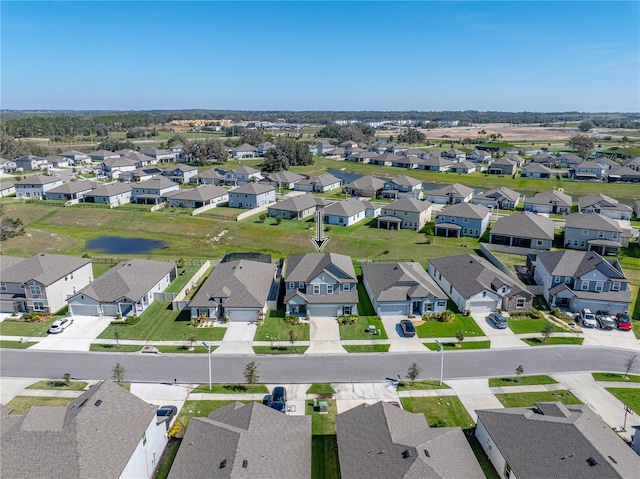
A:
128, 321
533, 314
444, 317
30, 318
347, 320
291, 319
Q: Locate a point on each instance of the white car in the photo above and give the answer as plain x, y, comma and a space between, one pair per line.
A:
60, 325
588, 319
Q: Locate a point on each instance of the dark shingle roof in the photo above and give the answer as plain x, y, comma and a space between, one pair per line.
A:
366, 183
44, 268
302, 268
592, 221
400, 281
525, 225
285, 177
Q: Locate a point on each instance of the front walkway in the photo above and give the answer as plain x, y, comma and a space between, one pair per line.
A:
475, 394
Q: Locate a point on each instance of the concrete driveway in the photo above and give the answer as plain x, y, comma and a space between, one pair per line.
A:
397, 340
475, 394
12, 387
613, 338
163, 394
325, 336
78, 336
350, 395
500, 338
238, 339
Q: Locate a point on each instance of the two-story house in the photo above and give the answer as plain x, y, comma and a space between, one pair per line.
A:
499, 198
32, 163
244, 151
593, 231
588, 170
605, 205
450, 194
160, 155
252, 195
76, 157
503, 166
406, 213
36, 186
180, 173
544, 159
553, 202
479, 156
321, 284
153, 191
568, 160
321, 148
242, 175
582, 279
462, 219
402, 187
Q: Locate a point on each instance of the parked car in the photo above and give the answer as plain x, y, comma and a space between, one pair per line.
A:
498, 321
279, 399
624, 323
60, 325
166, 413
605, 321
266, 400
588, 319
407, 328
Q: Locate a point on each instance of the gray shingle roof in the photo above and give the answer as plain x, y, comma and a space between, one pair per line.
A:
383, 441
211, 173
525, 225
325, 180
38, 180
603, 201
572, 263
556, 441
245, 283
408, 204
499, 193
304, 267
256, 441
550, 197
244, 170
404, 180
120, 161
299, 203
366, 183
455, 190
624, 171
592, 221
181, 167
74, 187
129, 279
93, 437
438, 161
348, 207
284, 177
536, 168
44, 268
111, 189
466, 210
201, 193
400, 281
245, 147
156, 183
252, 189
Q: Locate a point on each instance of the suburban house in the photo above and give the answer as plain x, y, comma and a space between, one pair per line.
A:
76, 157
336, 153
112, 194
607, 163
402, 289
636, 208
372, 210
523, 230
321, 148
436, 163
252, 195
244, 151
237, 440
503, 166
465, 167
7, 166
593, 231
102, 155
72, 190
450, 194
153, 191
297, 207
284, 179
475, 285
120, 164
568, 160
406, 213
366, 186
208, 177
41, 282
348, 144
536, 170
462, 219
36, 186
345, 213
7, 188
455, 155
321, 284
160, 155
544, 159
409, 162
180, 173
553, 202
242, 175
623, 174
32, 163
479, 156
364, 156
588, 170
582, 279
633, 163
318, 184
264, 147
127, 289
382, 441
517, 159
403, 186
241, 290
140, 174
57, 161
553, 440
105, 432
605, 205
384, 159
200, 196
499, 198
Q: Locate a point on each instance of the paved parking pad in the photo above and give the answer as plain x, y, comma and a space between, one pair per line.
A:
613, 338
325, 336
238, 339
350, 395
162, 394
500, 338
77, 337
398, 342
475, 394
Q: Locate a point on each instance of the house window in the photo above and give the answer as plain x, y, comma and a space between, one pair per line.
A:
316, 289
599, 286
567, 280
557, 279
584, 286
442, 303
539, 242
292, 285
71, 275
346, 310
465, 220
144, 439
477, 232
345, 287
615, 286
329, 289
465, 231
520, 303
600, 234
38, 306
3, 286
582, 243
341, 220
35, 289
585, 232
66, 278
575, 242
429, 307
615, 236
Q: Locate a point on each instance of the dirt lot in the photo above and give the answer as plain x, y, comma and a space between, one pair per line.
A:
508, 132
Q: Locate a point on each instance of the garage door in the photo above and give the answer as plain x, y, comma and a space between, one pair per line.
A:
83, 310
392, 310
109, 310
7, 306
242, 314
482, 306
324, 311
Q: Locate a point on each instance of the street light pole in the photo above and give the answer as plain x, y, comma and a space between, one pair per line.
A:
209, 357
441, 359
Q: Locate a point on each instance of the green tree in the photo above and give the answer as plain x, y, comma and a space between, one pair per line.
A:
585, 126
412, 136
519, 372
583, 145
207, 151
115, 144
191, 338
67, 379
262, 217
118, 372
251, 374
413, 372
460, 336
546, 332
116, 336
180, 263
278, 219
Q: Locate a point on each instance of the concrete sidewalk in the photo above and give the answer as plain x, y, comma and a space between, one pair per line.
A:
475, 394
325, 336
238, 339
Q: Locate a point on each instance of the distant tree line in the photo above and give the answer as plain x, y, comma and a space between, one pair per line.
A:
357, 132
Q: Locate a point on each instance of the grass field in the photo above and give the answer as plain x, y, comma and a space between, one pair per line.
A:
420, 385
483, 460
521, 381
321, 388
628, 396
436, 329
530, 399
15, 344
446, 411
275, 328
366, 348
322, 424
166, 461
24, 328
324, 457
59, 385
522, 326
551, 341
280, 349
21, 404
112, 348
182, 280
633, 378
359, 330
457, 346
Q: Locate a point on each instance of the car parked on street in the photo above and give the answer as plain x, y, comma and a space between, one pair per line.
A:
588, 319
407, 328
624, 322
498, 321
60, 325
605, 321
279, 399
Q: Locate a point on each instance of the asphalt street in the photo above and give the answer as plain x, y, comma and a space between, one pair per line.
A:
193, 368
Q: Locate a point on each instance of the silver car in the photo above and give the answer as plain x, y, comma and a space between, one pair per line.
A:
60, 325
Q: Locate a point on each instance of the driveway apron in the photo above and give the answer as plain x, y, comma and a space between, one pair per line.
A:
238, 339
500, 338
397, 340
325, 336
77, 337
475, 394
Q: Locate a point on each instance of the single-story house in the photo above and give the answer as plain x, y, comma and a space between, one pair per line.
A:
605, 205
36, 186
536, 170
450, 194
102, 155
365, 186
408, 213
242, 175
553, 202
244, 151
140, 174
284, 179
208, 177
523, 230
241, 290
153, 191
127, 289
111, 194
297, 207
499, 198
318, 184
402, 187
200, 196
384, 159
72, 190
7, 188
623, 174
180, 173
344, 213
465, 167
252, 195
503, 166
593, 231
517, 159
462, 219
475, 285
588, 170
160, 155
402, 289
409, 162
365, 157
436, 163
633, 163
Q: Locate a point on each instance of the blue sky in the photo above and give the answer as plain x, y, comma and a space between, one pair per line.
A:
512, 56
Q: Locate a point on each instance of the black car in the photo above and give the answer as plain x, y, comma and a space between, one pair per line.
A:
166, 413
279, 399
407, 328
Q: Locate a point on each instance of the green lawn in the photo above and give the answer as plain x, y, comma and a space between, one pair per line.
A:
182, 280
275, 328
627, 396
367, 348
436, 329
159, 322
21, 404
24, 328
111, 348
200, 409
445, 411
166, 461
522, 326
633, 378
15, 344
550, 341
184, 349
321, 388
529, 399
360, 328
59, 385
483, 460
324, 457
322, 424
521, 381
231, 389
100, 268
462, 345
280, 349
365, 308
420, 385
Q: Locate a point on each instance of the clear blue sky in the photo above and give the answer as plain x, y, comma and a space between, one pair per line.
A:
512, 56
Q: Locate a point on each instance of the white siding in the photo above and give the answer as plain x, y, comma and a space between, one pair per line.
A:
145, 458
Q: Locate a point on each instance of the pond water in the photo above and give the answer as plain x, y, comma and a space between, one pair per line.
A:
119, 245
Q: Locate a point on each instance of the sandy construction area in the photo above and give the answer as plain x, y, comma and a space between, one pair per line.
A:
508, 132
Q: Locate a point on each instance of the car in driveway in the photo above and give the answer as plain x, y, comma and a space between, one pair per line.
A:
624, 322
498, 321
279, 399
588, 319
60, 325
166, 414
407, 328
605, 320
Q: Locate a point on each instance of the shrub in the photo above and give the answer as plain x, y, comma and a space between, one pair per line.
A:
327, 228
444, 317
291, 319
128, 321
535, 314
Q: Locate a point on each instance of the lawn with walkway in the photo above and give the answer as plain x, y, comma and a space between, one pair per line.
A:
437, 329
275, 328
530, 399
360, 329
521, 381
633, 378
445, 411
182, 279
14, 327
628, 396
21, 404
458, 346
552, 341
